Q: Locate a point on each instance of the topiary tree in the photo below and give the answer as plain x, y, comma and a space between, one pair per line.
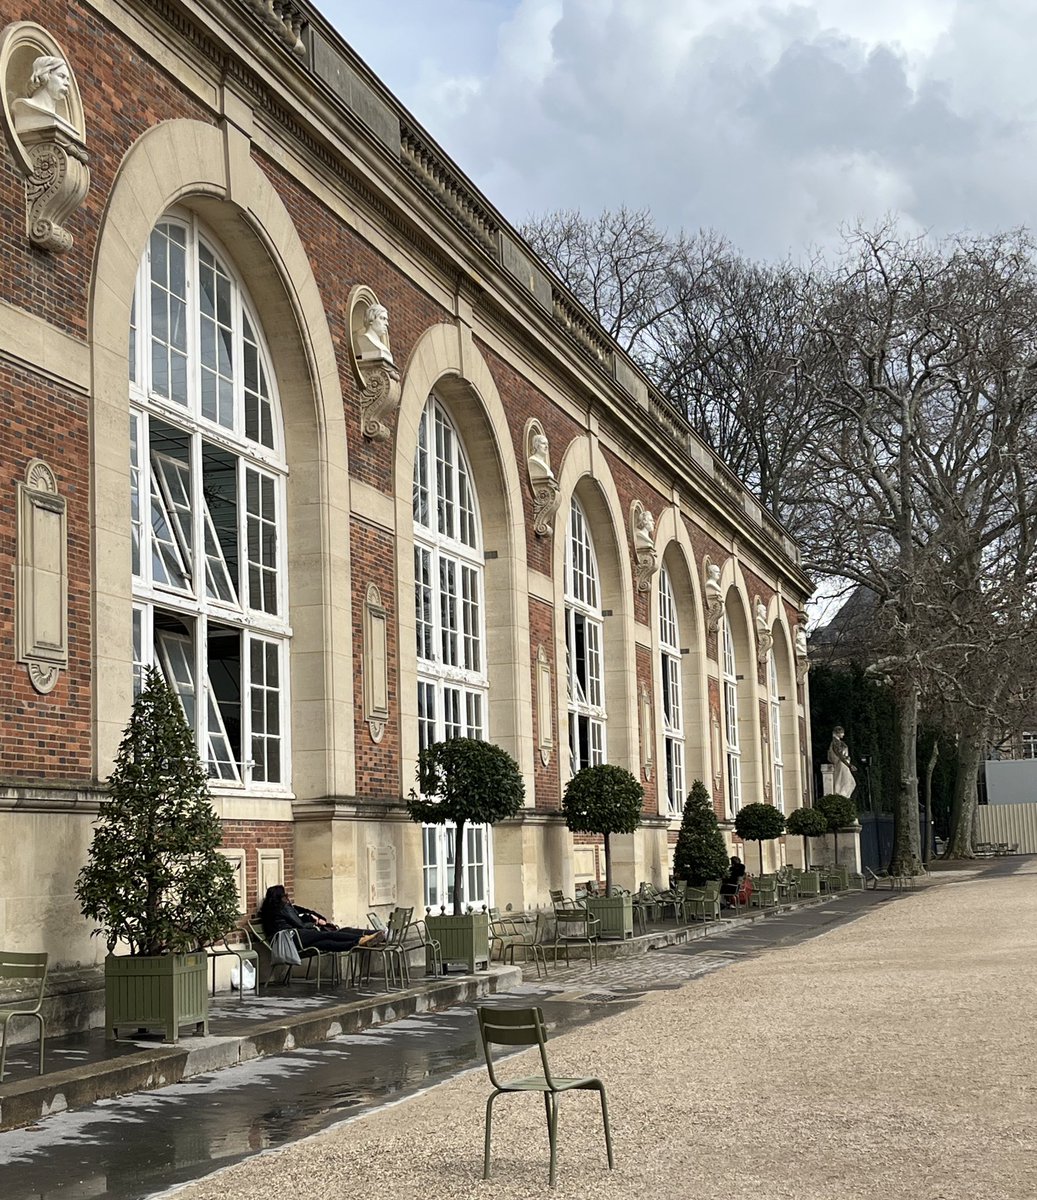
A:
839, 811
700, 853
156, 879
807, 823
759, 823
603, 799
467, 782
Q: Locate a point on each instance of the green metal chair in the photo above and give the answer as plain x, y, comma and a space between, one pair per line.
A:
14, 965
393, 952
525, 1027
241, 950
576, 927
528, 938
703, 903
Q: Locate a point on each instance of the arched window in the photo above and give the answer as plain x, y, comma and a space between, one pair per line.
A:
673, 709
732, 744
777, 755
207, 480
583, 645
449, 628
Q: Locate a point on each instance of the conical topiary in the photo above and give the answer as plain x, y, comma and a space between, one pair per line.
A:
156, 879
700, 853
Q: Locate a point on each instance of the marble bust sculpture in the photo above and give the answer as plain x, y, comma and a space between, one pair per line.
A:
540, 459
373, 343
46, 102
644, 529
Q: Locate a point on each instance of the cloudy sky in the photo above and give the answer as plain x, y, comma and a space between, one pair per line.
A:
774, 123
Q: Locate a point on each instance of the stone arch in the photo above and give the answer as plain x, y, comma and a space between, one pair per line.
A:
185, 163
678, 556
445, 361
738, 609
585, 474
785, 659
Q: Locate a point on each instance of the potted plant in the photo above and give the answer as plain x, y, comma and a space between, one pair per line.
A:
464, 781
605, 799
759, 823
840, 812
156, 881
701, 853
807, 823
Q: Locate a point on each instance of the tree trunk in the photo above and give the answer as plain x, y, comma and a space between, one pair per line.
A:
458, 866
806, 853
608, 866
761, 856
904, 859
927, 832
963, 809
835, 839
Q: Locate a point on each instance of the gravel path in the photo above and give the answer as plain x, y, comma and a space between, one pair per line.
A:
888, 1058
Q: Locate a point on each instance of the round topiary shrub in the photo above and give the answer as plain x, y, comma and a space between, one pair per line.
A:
759, 823
603, 799
807, 823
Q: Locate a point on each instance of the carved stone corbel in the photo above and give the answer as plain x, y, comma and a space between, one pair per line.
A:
376, 375
646, 557
542, 482
714, 594
42, 115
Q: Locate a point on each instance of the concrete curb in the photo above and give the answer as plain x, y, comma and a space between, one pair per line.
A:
29, 1100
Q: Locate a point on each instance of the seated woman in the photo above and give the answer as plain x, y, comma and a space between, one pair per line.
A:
277, 912
733, 881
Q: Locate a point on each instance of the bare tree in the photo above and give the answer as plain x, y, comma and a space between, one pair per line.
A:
932, 396
618, 265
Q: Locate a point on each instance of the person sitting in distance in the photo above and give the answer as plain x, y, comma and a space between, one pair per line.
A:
277, 912
733, 880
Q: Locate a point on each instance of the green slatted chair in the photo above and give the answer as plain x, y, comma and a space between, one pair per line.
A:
525, 1027
22, 967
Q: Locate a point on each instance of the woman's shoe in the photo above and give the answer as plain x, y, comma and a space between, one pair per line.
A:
373, 939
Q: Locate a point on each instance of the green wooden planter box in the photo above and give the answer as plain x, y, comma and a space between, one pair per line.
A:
461, 939
156, 993
616, 914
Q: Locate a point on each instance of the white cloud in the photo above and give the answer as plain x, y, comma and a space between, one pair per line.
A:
775, 123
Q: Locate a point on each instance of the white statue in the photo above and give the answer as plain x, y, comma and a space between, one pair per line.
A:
644, 530
761, 617
372, 344
714, 597
801, 641
48, 91
843, 782
540, 459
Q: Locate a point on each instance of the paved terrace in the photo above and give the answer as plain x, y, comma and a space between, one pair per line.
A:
84, 1068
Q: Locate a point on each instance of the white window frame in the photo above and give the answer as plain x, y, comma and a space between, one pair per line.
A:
670, 668
584, 626
162, 479
777, 753
729, 700
450, 634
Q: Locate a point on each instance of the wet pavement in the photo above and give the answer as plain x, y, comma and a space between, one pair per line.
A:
143, 1144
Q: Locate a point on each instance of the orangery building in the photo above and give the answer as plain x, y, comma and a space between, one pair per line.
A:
292, 413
